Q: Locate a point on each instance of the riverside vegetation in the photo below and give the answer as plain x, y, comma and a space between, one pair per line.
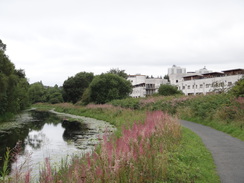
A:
147, 147
224, 112
158, 150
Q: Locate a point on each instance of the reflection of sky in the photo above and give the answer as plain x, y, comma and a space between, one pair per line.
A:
46, 143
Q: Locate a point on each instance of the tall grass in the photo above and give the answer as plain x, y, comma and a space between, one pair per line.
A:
136, 156
150, 147
223, 112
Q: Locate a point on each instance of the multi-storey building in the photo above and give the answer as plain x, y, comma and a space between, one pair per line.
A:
204, 81
144, 86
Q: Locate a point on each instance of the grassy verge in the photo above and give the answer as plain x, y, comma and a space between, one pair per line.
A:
192, 156
229, 128
223, 112
184, 157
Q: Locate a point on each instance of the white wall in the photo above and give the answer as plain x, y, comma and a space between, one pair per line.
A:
204, 86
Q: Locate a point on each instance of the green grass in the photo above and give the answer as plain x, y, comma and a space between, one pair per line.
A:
191, 161
231, 129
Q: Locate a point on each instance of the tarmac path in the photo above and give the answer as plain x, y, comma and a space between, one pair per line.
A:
227, 151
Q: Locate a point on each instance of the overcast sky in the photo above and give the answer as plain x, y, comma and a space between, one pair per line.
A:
55, 39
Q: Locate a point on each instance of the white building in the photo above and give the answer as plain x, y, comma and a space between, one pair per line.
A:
144, 86
202, 81
177, 73
208, 82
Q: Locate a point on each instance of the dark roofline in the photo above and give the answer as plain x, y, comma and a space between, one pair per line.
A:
239, 69
192, 75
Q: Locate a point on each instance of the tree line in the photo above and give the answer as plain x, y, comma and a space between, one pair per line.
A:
17, 94
13, 86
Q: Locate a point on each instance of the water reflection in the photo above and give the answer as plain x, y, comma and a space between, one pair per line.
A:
40, 134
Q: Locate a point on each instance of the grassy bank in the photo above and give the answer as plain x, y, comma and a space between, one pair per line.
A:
223, 112
148, 147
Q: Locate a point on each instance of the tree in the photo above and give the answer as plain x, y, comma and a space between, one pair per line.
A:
74, 87
166, 77
37, 92
2, 46
107, 87
167, 89
238, 89
54, 95
13, 85
118, 72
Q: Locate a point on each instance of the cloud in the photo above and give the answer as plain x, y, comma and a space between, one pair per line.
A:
52, 40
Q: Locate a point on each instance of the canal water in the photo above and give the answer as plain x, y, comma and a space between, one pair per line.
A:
37, 135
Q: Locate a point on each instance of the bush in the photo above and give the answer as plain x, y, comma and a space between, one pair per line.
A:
168, 89
238, 89
107, 87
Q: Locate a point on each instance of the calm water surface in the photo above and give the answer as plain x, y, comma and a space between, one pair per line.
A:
41, 136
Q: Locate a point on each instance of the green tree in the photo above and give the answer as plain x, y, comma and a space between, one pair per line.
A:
37, 92
107, 87
167, 89
54, 95
2, 46
166, 77
118, 72
238, 89
74, 87
13, 85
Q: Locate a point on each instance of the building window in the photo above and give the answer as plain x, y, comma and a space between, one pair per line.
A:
189, 86
229, 83
201, 85
183, 87
196, 86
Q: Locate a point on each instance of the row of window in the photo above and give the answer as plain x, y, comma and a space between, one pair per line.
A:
207, 85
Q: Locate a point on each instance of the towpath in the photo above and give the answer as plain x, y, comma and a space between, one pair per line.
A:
228, 152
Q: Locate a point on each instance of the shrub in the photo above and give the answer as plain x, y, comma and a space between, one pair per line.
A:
167, 89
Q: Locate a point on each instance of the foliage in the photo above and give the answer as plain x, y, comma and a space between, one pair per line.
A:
166, 77
5, 170
2, 46
54, 95
74, 87
40, 93
238, 89
118, 72
14, 86
223, 111
140, 153
132, 103
139, 149
167, 89
107, 87
37, 92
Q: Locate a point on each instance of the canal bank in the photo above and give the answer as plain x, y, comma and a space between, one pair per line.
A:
41, 135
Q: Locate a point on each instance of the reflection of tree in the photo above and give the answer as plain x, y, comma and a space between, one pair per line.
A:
35, 140
10, 137
73, 128
43, 117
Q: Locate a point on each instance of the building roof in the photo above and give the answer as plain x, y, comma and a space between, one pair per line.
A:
192, 75
239, 69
